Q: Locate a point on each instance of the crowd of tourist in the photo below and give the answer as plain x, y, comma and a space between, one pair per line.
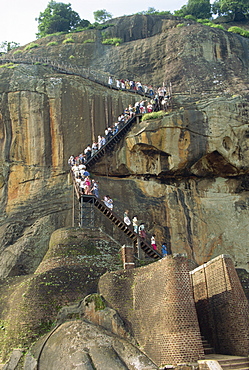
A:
140, 230
140, 107
159, 100
126, 84
89, 186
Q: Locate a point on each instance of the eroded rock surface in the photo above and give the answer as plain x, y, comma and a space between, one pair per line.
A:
188, 173
88, 347
70, 271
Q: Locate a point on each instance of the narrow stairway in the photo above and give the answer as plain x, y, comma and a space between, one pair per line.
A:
236, 362
114, 139
116, 220
206, 346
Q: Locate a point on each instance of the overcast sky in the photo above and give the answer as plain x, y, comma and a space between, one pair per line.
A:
17, 22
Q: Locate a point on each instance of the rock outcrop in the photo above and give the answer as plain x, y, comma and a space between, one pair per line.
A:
70, 270
194, 156
185, 175
87, 346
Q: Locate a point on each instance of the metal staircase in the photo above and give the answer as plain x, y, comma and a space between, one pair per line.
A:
116, 220
88, 202
114, 139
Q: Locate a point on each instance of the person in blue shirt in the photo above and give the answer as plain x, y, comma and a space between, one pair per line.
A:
164, 250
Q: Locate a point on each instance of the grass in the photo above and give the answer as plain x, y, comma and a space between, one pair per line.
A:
52, 43
218, 26
190, 16
113, 41
98, 301
88, 41
8, 65
17, 52
154, 115
69, 40
31, 46
239, 31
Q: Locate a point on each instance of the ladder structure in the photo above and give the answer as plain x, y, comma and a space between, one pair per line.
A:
87, 204
114, 140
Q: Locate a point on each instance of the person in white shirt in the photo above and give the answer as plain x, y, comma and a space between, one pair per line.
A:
108, 202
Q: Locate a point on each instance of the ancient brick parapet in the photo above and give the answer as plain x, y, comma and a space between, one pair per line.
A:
156, 303
222, 307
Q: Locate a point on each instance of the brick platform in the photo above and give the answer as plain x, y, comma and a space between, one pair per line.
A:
156, 302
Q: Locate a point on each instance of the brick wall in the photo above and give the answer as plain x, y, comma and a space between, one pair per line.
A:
156, 302
222, 307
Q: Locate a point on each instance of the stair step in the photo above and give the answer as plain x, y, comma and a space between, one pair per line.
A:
208, 351
235, 362
233, 367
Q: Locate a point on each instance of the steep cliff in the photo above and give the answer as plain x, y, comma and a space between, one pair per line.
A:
196, 157
185, 175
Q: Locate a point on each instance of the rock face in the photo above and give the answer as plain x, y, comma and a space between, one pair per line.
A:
70, 270
43, 119
88, 347
195, 58
185, 175
188, 173
195, 158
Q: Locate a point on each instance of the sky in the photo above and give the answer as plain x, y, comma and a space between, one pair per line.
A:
18, 22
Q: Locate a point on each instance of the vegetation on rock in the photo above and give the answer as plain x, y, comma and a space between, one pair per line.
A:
52, 43
30, 46
6, 46
58, 17
239, 31
68, 40
113, 41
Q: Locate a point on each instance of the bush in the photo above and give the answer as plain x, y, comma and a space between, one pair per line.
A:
114, 41
203, 21
8, 65
103, 26
181, 25
71, 57
190, 16
79, 29
17, 52
52, 43
31, 46
239, 31
218, 26
88, 41
69, 40
56, 34
153, 115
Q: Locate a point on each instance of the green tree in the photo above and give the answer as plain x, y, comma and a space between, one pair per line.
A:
197, 8
235, 9
6, 46
102, 16
58, 17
